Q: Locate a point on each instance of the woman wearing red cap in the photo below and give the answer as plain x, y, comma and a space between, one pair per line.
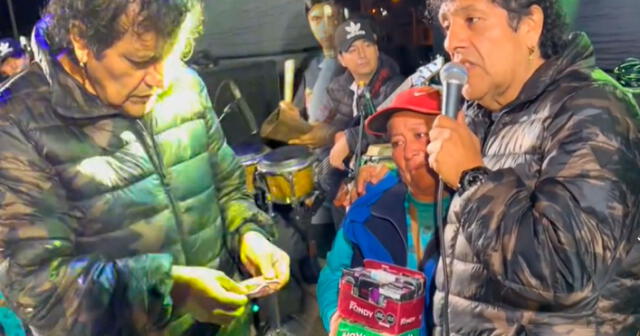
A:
395, 220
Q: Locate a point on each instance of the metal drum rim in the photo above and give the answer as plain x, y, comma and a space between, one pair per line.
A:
293, 164
286, 166
252, 158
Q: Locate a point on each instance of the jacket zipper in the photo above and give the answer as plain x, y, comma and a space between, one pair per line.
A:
151, 148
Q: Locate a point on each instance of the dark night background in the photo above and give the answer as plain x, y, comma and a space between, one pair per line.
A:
26, 11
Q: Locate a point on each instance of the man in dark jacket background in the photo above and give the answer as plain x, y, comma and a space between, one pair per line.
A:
366, 68
542, 235
357, 48
122, 209
323, 16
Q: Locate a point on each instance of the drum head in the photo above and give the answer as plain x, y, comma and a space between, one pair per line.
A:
287, 158
249, 153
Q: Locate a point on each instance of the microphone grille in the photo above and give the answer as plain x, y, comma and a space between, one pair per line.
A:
453, 73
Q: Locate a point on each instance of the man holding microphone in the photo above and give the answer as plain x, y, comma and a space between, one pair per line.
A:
542, 235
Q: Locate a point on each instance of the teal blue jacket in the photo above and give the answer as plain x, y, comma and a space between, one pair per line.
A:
375, 228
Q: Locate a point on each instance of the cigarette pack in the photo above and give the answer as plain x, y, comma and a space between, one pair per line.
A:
381, 298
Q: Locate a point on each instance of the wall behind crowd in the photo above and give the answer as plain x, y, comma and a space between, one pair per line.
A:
613, 27
249, 28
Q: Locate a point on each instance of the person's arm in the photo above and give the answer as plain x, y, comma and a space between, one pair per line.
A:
299, 99
321, 133
559, 237
52, 286
328, 289
239, 211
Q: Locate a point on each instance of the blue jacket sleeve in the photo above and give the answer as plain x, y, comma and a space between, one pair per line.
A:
338, 259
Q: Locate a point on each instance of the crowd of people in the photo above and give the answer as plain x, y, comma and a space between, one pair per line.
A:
123, 211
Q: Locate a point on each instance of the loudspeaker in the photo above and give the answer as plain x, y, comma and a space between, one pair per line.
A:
259, 84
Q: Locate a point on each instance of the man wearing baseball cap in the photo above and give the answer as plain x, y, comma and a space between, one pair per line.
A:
395, 220
367, 69
13, 59
357, 48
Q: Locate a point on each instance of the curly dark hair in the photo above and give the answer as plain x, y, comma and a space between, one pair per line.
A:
100, 21
554, 31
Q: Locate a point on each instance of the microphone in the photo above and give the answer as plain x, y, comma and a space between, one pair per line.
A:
454, 77
244, 108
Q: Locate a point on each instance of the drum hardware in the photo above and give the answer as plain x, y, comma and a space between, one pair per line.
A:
287, 176
274, 316
377, 154
238, 103
249, 154
362, 116
367, 109
228, 108
302, 214
300, 220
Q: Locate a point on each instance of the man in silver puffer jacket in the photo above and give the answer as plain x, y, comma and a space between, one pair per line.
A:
543, 235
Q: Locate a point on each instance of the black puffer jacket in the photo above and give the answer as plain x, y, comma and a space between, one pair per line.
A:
550, 243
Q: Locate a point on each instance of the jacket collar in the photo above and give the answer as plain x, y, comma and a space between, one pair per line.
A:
67, 95
387, 208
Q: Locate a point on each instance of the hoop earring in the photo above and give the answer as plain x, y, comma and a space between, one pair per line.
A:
85, 76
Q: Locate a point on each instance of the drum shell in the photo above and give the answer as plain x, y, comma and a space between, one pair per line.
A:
249, 158
289, 180
279, 185
250, 170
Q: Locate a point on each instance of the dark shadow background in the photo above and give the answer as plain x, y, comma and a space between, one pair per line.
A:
27, 13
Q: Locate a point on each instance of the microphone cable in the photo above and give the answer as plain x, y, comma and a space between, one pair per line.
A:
443, 252
453, 77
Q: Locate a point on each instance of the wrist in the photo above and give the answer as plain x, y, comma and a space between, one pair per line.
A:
179, 290
472, 177
250, 237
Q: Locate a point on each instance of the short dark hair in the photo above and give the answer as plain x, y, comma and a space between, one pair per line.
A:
554, 30
100, 20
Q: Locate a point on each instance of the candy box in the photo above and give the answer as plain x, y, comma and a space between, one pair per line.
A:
382, 298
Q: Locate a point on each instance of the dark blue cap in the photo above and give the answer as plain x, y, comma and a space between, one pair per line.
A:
10, 48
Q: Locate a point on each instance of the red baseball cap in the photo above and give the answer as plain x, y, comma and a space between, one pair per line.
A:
425, 100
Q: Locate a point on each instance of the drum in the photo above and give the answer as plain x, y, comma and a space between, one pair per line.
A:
249, 154
287, 174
